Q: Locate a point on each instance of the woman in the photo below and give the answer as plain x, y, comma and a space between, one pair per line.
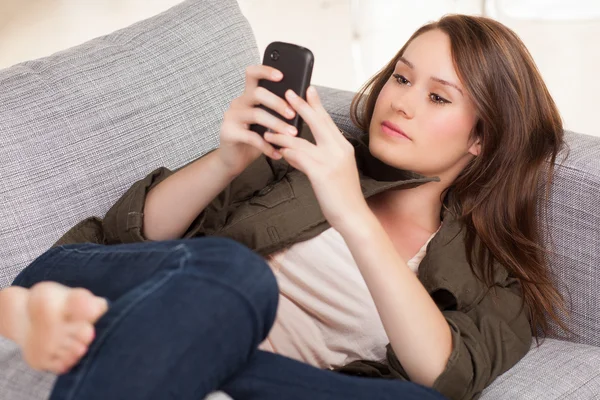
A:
422, 234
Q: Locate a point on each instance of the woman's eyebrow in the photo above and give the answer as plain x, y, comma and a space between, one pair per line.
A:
433, 78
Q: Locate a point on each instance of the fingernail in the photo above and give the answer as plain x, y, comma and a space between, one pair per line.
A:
291, 130
311, 90
277, 154
276, 74
289, 112
291, 94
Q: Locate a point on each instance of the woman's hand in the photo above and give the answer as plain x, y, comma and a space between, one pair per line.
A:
239, 146
330, 164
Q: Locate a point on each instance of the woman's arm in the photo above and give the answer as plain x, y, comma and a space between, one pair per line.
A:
416, 328
174, 203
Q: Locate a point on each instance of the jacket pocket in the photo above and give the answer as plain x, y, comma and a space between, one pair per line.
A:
273, 194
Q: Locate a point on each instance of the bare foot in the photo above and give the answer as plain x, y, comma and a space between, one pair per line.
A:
58, 326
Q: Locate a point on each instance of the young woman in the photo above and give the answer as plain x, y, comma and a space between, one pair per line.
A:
413, 252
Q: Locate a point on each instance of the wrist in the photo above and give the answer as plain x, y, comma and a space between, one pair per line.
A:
231, 171
361, 222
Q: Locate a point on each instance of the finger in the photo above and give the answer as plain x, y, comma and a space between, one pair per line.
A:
259, 116
308, 114
300, 160
313, 99
271, 100
254, 73
253, 139
290, 142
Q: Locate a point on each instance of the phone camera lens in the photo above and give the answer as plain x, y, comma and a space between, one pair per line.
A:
274, 55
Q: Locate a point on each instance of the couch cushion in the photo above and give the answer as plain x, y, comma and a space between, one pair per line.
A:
555, 370
80, 126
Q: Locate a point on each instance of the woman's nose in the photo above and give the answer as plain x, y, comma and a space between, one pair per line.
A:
402, 104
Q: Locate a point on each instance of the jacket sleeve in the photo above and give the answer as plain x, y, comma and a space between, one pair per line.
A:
487, 340
123, 222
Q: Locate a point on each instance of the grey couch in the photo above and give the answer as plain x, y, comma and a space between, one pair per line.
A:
78, 127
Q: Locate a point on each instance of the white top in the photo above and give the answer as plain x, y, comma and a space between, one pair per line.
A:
326, 315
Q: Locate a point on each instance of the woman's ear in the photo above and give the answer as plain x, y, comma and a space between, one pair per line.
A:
475, 148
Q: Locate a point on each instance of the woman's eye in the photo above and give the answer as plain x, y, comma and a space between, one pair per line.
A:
400, 79
437, 99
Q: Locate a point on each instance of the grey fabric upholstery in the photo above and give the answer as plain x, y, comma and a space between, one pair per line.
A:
556, 370
80, 126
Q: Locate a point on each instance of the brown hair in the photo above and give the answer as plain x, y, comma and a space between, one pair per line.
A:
521, 133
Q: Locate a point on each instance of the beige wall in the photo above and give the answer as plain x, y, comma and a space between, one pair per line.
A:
351, 39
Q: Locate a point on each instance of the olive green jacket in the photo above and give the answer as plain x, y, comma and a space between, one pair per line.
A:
271, 205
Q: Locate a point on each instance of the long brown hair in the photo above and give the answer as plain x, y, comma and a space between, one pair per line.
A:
520, 129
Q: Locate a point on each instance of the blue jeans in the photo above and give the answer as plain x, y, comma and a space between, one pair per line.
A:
185, 319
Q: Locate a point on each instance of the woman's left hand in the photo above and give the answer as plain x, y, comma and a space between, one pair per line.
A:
330, 164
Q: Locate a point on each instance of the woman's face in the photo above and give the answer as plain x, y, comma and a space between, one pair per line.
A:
425, 99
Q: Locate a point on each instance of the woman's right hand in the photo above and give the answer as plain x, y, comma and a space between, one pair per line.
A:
239, 146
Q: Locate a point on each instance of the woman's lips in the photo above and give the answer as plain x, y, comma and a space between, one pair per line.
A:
392, 130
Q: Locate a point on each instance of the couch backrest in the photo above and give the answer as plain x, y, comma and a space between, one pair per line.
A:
78, 127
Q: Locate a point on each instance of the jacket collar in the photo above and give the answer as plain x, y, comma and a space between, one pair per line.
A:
377, 176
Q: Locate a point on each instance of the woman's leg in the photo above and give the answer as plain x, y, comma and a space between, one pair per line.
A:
142, 350
270, 376
185, 315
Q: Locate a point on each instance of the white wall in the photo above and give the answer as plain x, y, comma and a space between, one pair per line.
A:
351, 39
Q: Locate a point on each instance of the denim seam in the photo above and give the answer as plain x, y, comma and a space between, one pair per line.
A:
150, 250
233, 289
124, 313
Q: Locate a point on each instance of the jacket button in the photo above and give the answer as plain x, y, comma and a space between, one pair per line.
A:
265, 190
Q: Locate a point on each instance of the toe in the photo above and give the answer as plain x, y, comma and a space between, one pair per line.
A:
82, 332
70, 354
45, 302
83, 305
57, 365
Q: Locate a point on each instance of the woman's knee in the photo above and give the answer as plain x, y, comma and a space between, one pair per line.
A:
235, 261
241, 271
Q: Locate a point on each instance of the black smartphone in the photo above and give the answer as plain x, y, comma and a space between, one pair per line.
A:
296, 64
